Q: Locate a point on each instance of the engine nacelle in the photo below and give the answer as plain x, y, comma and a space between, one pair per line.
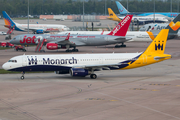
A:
39, 31
79, 72
54, 46
62, 72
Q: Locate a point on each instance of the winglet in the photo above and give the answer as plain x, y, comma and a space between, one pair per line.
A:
113, 16
67, 38
122, 27
121, 8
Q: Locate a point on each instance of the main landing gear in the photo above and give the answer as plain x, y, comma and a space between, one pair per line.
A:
22, 77
73, 50
118, 46
93, 76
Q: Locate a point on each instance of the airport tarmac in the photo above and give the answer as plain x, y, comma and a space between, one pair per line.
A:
146, 93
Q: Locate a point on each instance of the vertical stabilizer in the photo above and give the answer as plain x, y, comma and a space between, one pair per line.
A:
8, 21
159, 43
113, 16
122, 27
121, 8
174, 26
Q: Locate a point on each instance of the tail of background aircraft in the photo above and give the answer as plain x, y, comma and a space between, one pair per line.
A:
122, 27
8, 21
112, 16
121, 8
173, 27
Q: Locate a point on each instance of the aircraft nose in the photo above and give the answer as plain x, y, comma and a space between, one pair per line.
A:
12, 41
5, 66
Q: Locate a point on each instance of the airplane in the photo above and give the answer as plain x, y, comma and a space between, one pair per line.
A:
141, 20
123, 11
139, 36
35, 28
56, 41
113, 16
153, 26
82, 65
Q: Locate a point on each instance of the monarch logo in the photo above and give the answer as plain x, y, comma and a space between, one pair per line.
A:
111, 14
174, 26
32, 60
158, 47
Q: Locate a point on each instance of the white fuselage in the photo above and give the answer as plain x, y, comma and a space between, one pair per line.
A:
66, 62
137, 36
44, 27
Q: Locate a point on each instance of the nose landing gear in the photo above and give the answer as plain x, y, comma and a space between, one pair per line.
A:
22, 77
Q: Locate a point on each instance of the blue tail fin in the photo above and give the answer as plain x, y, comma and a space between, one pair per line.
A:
121, 8
8, 21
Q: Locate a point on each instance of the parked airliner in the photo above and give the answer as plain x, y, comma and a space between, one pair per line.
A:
124, 11
57, 41
146, 35
137, 19
35, 28
86, 64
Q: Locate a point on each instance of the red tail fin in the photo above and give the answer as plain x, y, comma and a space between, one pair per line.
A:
122, 27
67, 38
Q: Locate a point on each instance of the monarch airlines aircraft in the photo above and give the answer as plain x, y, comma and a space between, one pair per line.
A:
36, 28
87, 64
57, 41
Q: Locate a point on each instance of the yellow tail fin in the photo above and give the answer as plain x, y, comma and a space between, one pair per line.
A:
159, 43
112, 15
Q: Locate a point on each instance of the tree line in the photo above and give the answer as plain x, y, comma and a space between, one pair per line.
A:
55, 7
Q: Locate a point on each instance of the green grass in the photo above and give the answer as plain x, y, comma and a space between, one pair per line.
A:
4, 48
2, 71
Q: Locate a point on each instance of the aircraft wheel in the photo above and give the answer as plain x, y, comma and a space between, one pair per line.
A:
93, 76
22, 77
117, 46
123, 45
67, 50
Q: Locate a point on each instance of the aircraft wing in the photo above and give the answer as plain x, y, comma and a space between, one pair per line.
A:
124, 39
99, 66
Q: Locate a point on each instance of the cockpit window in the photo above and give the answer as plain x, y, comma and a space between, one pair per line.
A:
15, 61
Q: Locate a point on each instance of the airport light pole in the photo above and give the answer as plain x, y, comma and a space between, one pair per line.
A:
127, 5
177, 5
28, 16
105, 8
154, 11
83, 14
171, 6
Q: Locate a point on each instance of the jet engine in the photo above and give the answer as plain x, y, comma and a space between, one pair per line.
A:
62, 72
54, 46
79, 72
39, 31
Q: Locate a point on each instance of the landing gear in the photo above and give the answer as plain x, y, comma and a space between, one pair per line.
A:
93, 76
22, 77
118, 46
73, 50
